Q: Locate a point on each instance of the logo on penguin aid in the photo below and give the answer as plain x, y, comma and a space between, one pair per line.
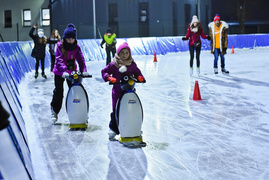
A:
132, 101
76, 101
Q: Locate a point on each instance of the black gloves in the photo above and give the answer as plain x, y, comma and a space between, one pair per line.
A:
208, 38
184, 38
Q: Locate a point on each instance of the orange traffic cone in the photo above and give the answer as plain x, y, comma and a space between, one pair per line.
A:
196, 93
155, 57
232, 49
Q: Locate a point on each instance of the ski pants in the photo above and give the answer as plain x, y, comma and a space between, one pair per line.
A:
217, 53
58, 93
113, 123
198, 50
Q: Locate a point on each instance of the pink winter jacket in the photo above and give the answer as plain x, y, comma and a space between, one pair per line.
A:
60, 60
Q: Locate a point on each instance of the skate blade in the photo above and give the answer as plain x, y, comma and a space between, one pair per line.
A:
61, 124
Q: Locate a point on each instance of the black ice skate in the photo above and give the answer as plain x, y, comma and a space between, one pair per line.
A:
223, 70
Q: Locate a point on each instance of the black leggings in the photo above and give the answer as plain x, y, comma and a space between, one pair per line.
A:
37, 64
58, 93
52, 62
198, 50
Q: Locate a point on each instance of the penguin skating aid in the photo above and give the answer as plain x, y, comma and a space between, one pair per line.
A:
77, 102
129, 114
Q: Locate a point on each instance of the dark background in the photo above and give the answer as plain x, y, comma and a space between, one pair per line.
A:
243, 16
256, 10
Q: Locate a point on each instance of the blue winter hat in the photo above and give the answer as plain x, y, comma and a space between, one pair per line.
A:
70, 31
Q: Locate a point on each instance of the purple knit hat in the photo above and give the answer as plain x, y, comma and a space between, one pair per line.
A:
70, 31
124, 45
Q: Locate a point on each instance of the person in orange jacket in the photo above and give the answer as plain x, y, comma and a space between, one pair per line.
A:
219, 42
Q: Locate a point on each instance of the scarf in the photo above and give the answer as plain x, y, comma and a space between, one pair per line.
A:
70, 47
118, 62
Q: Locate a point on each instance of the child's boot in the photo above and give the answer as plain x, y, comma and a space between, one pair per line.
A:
111, 135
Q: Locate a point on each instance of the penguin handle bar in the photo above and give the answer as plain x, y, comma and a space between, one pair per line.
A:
119, 82
87, 76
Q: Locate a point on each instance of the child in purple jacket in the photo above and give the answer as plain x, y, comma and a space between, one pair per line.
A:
68, 52
122, 65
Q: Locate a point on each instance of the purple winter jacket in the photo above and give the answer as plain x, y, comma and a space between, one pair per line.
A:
112, 70
60, 62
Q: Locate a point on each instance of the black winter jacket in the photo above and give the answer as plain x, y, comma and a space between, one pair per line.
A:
39, 50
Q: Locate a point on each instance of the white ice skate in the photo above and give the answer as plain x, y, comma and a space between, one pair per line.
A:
198, 70
191, 71
54, 116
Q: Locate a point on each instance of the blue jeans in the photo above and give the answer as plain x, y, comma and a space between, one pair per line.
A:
217, 53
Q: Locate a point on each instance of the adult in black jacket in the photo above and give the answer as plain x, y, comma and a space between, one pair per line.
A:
39, 49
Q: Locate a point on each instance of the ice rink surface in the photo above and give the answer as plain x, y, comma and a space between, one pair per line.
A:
224, 136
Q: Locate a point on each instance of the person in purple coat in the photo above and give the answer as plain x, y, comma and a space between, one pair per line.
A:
68, 52
122, 65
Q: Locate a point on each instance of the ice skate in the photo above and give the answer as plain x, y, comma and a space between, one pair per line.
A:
223, 70
54, 116
44, 76
36, 75
111, 135
216, 70
191, 71
198, 70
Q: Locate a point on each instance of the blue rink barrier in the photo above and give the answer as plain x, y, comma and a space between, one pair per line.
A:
16, 61
163, 45
15, 157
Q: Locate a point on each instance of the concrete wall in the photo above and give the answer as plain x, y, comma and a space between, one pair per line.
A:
16, 7
80, 12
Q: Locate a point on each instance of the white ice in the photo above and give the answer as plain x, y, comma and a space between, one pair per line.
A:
224, 136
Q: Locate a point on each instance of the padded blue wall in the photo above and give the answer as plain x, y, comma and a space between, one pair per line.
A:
162, 45
16, 60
